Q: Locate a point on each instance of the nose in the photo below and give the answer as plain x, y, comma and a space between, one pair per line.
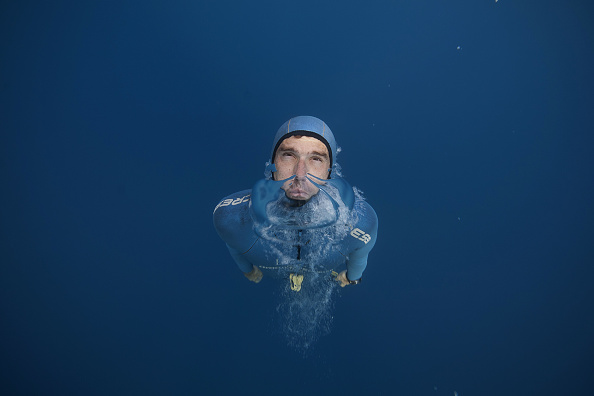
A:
301, 170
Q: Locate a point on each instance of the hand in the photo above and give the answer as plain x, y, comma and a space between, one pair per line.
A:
255, 275
342, 279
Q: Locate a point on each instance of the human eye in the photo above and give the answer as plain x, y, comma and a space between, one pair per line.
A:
287, 156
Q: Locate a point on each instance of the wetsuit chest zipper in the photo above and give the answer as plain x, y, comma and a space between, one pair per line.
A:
299, 244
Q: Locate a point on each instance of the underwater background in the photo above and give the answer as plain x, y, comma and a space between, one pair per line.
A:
468, 125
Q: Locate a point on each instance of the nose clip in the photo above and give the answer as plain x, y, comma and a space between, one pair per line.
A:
317, 182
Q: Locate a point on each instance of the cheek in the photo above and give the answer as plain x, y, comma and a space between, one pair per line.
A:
321, 171
283, 170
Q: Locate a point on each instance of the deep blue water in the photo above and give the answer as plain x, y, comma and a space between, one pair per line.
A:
467, 123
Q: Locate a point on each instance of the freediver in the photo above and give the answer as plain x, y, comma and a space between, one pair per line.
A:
259, 226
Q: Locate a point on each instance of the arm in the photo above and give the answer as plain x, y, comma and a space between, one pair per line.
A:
233, 224
356, 264
363, 238
250, 271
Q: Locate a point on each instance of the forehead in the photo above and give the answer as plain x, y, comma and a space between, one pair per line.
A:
304, 144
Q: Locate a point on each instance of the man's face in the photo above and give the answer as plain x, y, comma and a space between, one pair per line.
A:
300, 155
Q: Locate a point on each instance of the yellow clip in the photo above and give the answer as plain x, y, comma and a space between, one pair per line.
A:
334, 273
296, 281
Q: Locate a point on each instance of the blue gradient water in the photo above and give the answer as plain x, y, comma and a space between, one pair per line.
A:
467, 123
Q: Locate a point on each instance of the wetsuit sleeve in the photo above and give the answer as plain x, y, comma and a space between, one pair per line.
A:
244, 265
366, 234
233, 224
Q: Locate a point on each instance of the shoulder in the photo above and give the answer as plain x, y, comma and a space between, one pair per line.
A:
233, 200
364, 230
231, 216
366, 216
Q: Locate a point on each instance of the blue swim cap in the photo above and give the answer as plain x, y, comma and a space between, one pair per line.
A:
306, 126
